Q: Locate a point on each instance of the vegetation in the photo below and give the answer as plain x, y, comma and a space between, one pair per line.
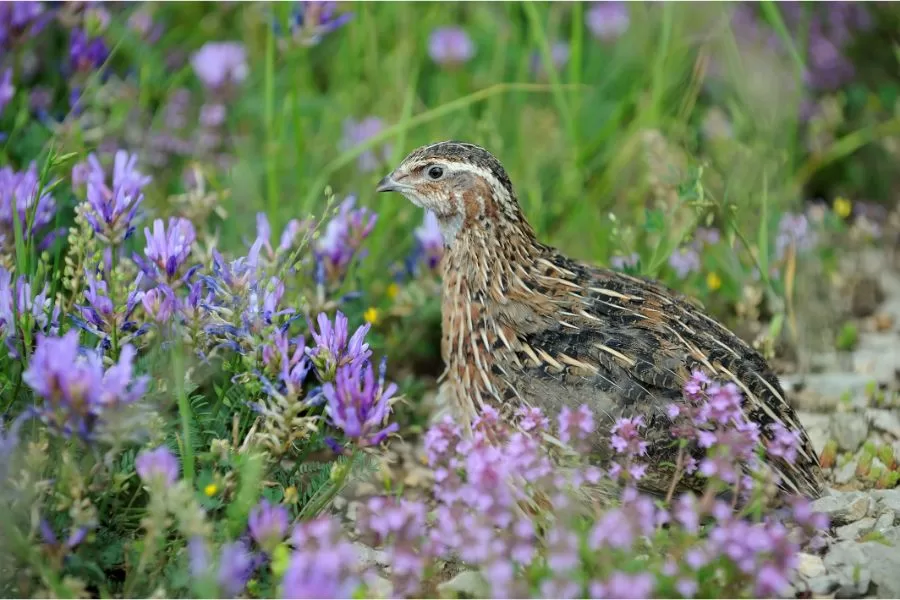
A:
199, 290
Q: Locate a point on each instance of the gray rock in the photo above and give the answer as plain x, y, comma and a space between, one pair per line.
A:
810, 565
883, 562
884, 522
849, 430
876, 356
825, 390
471, 583
823, 586
380, 587
369, 556
889, 500
846, 561
844, 507
854, 530
846, 474
885, 421
818, 426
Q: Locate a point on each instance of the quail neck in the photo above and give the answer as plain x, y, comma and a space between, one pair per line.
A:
524, 325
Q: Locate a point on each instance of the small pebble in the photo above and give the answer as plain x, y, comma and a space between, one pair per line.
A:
849, 430
847, 562
846, 474
854, 530
844, 507
810, 565
471, 583
890, 500
884, 522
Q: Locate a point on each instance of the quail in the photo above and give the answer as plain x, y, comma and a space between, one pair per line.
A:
523, 325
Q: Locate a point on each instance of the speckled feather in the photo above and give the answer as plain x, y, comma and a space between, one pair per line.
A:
524, 324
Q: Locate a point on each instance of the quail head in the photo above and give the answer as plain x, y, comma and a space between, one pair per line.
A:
524, 325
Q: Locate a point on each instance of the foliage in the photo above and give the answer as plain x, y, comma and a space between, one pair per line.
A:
184, 394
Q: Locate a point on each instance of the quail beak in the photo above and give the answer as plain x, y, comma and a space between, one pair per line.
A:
387, 184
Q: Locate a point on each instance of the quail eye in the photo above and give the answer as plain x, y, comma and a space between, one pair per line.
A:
436, 172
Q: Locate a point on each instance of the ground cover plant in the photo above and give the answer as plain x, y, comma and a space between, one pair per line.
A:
211, 327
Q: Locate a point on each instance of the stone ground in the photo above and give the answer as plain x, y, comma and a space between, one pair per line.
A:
845, 399
851, 404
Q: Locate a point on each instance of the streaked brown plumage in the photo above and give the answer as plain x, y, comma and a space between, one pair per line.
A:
524, 324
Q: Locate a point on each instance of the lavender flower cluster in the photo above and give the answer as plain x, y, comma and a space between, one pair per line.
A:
125, 300
484, 512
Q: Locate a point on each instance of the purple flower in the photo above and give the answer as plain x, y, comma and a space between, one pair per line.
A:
793, 231
626, 439
684, 261
783, 442
7, 89
141, 22
76, 536
685, 512
86, 54
696, 385
533, 419
113, 208
708, 236
622, 263
723, 405
288, 236
198, 557
608, 20
218, 64
761, 550
75, 387
21, 300
262, 305
290, 367
333, 349
235, 568
562, 550
324, 563
358, 407
559, 55
19, 199
625, 585
357, 133
100, 316
342, 240
400, 525
268, 525
450, 46
312, 20
159, 303
212, 115
236, 278
686, 588
169, 248
190, 308
157, 467
20, 21
575, 425
430, 240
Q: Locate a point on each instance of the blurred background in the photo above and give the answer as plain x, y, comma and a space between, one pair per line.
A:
733, 150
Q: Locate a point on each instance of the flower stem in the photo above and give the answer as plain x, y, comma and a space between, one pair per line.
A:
184, 409
324, 495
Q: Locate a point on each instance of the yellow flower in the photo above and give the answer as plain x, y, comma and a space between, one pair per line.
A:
713, 281
842, 207
291, 496
211, 489
280, 559
393, 290
371, 315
